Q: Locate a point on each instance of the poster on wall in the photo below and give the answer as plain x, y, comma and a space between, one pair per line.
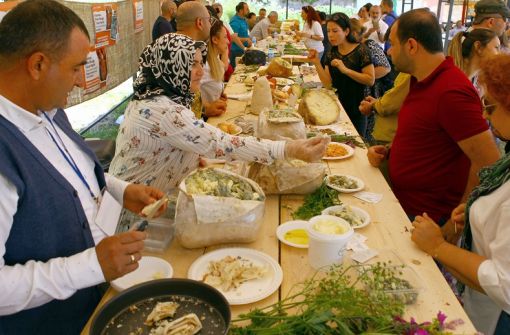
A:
5, 7
106, 24
95, 71
138, 15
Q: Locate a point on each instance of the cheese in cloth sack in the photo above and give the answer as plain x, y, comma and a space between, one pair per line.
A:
278, 124
217, 206
261, 97
288, 176
320, 107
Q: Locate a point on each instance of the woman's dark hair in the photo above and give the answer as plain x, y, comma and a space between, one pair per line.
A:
462, 45
213, 12
342, 20
322, 16
422, 25
367, 6
311, 15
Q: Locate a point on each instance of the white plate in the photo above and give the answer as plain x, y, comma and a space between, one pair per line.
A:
247, 292
361, 184
350, 151
291, 225
149, 268
360, 212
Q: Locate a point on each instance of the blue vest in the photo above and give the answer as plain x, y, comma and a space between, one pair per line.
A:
49, 223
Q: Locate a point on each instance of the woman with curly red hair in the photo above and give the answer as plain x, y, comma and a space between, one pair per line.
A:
481, 264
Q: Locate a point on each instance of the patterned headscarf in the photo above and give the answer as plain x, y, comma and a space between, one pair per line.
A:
165, 68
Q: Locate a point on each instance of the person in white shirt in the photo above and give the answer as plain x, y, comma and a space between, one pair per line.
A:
312, 34
261, 29
376, 28
457, 28
38, 68
481, 264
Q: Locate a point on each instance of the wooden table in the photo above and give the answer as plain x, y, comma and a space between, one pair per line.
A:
389, 230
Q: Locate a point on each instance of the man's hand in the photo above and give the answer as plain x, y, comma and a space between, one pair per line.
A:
377, 154
247, 40
137, 196
119, 254
215, 108
367, 105
427, 234
310, 150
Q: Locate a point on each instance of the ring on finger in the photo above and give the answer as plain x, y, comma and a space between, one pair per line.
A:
133, 259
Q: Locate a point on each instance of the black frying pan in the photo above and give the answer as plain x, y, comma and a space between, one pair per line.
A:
118, 316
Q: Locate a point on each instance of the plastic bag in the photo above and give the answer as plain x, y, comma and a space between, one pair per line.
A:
205, 220
288, 176
280, 124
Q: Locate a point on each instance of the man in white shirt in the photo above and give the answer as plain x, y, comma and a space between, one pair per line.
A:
376, 28
54, 249
261, 29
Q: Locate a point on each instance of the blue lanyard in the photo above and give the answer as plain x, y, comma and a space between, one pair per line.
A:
69, 159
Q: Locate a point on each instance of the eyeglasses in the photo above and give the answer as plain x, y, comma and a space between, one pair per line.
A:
488, 107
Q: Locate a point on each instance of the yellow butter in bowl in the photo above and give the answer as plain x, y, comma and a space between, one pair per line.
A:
297, 236
330, 227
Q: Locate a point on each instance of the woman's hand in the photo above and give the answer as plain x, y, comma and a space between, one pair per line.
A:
339, 64
310, 150
458, 216
215, 108
313, 56
427, 234
137, 196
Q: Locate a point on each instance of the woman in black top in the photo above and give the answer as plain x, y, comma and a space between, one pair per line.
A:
347, 67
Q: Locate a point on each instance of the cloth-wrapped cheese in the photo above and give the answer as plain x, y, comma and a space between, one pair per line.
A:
320, 107
261, 97
288, 176
275, 124
279, 67
218, 206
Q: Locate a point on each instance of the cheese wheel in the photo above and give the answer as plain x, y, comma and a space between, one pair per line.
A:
279, 67
261, 97
319, 107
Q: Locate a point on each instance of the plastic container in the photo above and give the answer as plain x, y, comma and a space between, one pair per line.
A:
160, 231
326, 249
408, 284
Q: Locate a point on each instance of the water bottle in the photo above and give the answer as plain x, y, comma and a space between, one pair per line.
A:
270, 54
253, 41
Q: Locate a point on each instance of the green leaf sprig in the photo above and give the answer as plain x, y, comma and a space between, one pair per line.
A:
316, 202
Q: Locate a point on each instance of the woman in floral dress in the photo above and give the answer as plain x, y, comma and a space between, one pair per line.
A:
161, 140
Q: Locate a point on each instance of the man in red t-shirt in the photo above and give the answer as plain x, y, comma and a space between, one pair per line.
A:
442, 140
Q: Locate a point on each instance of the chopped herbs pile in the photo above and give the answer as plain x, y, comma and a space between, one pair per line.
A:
316, 202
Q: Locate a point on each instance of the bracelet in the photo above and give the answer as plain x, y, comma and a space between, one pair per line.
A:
435, 252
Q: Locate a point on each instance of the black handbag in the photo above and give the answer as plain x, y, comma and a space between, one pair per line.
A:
252, 57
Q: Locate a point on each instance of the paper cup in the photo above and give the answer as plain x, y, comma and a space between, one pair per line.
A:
326, 249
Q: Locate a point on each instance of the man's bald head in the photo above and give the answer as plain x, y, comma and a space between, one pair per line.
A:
168, 8
188, 12
193, 20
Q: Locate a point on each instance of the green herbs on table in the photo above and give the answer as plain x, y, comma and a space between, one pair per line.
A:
351, 140
334, 302
316, 202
